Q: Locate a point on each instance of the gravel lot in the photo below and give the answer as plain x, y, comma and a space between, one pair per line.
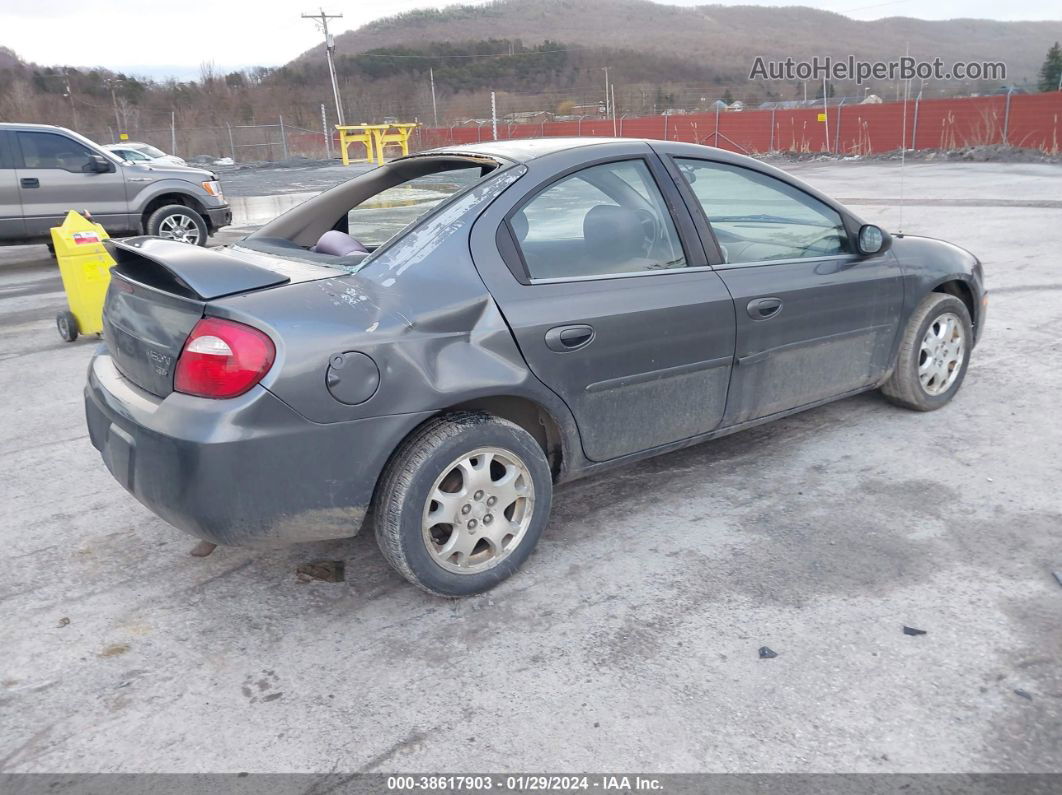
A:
630, 639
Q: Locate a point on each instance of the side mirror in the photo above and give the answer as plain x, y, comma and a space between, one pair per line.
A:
98, 164
872, 240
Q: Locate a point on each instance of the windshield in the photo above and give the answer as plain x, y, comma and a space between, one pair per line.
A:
149, 150
379, 218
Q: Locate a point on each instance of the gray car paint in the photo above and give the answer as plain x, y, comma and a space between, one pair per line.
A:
446, 329
118, 198
661, 338
12, 227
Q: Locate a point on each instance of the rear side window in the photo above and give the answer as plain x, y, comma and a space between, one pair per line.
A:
49, 150
758, 218
604, 220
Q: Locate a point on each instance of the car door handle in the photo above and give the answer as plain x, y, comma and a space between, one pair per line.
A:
563, 339
30, 182
764, 308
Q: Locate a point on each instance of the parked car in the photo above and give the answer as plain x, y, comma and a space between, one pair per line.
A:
550, 309
47, 171
136, 152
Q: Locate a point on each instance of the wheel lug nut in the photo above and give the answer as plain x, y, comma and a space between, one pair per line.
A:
478, 495
466, 508
491, 500
488, 519
471, 524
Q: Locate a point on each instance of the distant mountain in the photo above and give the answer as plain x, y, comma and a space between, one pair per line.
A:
530, 60
8, 59
728, 38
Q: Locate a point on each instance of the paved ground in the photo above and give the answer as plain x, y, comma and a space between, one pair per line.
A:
630, 640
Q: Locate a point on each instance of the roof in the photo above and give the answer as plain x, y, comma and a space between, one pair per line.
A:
4, 125
520, 150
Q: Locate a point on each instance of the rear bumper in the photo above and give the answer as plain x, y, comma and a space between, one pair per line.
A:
246, 471
218, 217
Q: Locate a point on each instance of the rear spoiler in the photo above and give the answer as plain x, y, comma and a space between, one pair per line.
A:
186, 270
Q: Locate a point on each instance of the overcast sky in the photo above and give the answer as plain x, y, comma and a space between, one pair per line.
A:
160, 39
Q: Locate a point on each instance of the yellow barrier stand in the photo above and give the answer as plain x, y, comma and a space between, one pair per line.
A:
375, 138
85, 267
398, 138
356, 134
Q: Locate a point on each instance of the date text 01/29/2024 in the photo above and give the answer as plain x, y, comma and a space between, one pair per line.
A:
522, 783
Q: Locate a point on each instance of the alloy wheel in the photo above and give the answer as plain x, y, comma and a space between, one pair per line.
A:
181, 228
941, 354
478, 510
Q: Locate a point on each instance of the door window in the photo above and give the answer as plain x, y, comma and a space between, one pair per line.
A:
48, 150
603, 220
759, 218
6, 160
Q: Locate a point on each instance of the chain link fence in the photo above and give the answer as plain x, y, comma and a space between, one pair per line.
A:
841, 127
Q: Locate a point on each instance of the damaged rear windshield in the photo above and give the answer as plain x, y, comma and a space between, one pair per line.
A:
379, 218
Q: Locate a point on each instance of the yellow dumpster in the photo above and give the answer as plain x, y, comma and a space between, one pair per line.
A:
85, 267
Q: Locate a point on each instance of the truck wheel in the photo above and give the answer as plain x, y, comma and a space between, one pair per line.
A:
463, 503
67, 325
934, 354
177, 222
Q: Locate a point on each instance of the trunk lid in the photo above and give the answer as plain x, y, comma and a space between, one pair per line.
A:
160, 289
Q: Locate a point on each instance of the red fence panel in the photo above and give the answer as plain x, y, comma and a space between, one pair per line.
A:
1033, 120
1036, 121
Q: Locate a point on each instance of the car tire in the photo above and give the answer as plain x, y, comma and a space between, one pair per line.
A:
67, 325
929, 368
177, 222
469, 541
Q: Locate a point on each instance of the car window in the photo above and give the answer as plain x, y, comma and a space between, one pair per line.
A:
48, 150
150, 150
603, 220
379, 218
133, 156
759, 218
6, 160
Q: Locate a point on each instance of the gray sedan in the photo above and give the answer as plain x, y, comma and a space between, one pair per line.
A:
431, 347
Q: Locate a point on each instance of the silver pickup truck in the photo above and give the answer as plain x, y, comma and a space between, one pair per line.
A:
46, 171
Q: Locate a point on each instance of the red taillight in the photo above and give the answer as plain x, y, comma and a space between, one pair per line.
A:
222, 359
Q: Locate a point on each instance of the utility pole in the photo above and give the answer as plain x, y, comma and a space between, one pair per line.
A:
825, 113
70, 96
608, 103
321, 18
324, 131
493, 116
434, 107
612, 88
114, 101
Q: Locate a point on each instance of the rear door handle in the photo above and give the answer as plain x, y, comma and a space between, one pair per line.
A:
764, 308
563, 339
30, 182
